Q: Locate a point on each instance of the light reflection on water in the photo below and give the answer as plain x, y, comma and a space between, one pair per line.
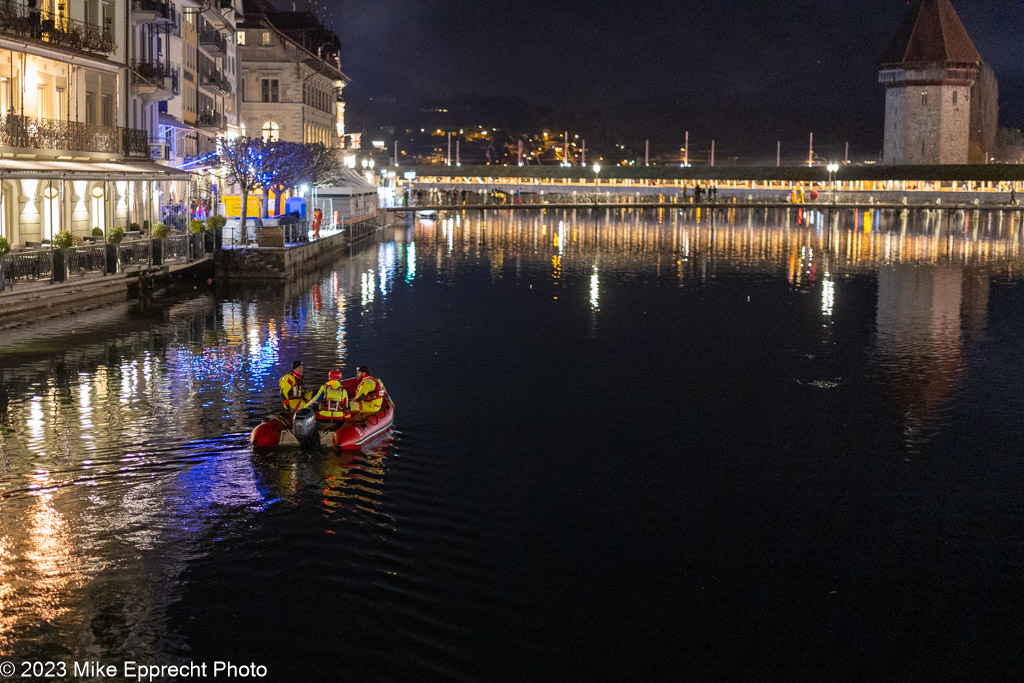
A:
125, 464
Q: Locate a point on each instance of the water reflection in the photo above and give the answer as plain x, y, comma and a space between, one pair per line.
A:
122, 444
919, 333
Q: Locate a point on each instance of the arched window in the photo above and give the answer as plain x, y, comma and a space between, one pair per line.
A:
271, 131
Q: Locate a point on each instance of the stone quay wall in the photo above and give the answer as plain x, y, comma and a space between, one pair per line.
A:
278, 263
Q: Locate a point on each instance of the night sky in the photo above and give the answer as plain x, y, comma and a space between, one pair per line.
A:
744, 72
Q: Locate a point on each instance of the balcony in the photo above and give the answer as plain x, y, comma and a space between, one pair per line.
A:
46, 27
212, 79
25, 132
153, 12
210, 120
212, 41
155, 80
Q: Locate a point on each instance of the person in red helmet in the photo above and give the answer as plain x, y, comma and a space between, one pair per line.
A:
331, 401
370, 394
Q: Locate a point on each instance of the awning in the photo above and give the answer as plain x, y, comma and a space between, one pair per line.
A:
348, 183
16, 169
168, 120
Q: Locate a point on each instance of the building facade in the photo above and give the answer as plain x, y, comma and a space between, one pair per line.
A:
185, 89
928, 71
292, 80
71, 154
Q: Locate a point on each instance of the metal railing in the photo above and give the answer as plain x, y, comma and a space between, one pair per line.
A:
38, 133
91, 259
134, 253
213, 78
49, 27
212, 40
164, 11
134, 143
29, 266
46, 265
176, 248
296, 232
152, 72
210, 119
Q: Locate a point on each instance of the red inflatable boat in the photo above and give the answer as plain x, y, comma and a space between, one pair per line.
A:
350, 435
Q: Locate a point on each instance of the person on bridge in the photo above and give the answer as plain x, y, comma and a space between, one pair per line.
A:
331, 401
291, 388
370, 394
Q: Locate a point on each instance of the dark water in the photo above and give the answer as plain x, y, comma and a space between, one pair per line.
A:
629, 447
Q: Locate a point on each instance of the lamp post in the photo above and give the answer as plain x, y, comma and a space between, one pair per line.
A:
597, 182
832, 168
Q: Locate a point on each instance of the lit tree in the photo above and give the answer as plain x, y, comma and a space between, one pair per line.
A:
244, 158
282, 167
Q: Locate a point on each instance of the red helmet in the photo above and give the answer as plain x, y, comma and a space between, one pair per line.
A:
334, 374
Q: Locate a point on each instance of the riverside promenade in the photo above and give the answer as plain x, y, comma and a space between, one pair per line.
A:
42, 282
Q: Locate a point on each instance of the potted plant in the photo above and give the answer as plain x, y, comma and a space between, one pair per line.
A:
97, 232
145, 228
212, 234
196, 226
161, 230
5, 246
62, 241
114, 237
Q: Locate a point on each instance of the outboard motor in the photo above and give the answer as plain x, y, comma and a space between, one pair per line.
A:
304, 428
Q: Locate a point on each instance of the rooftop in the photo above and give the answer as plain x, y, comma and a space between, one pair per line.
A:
931, 36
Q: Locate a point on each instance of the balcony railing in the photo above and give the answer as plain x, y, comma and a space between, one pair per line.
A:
212, 40
47, 27
154, 73
27, 132
153, 12
135, 143
214, 79
210, 120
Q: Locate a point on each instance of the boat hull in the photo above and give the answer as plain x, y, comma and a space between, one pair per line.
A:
352, 435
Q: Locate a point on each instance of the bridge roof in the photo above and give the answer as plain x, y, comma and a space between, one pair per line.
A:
959, 173
931, 36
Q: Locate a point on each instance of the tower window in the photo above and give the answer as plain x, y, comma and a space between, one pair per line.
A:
955, 95
924, 99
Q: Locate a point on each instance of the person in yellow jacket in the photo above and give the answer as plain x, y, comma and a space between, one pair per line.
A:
370, 393
331, 401
291, 388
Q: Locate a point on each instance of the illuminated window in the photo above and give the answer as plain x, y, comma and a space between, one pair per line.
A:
240, 38
924, 99
266, 38
271, 131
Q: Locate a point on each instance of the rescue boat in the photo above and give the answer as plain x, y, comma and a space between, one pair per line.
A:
303, 429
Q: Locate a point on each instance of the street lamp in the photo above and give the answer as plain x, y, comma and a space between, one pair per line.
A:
832, 168
597, 180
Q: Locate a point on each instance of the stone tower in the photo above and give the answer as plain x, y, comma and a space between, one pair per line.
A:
928, 71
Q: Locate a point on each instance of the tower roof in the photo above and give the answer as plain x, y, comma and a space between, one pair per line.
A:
931, 36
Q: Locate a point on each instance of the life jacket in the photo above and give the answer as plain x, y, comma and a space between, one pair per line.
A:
335, 401
291, 391
371, 395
